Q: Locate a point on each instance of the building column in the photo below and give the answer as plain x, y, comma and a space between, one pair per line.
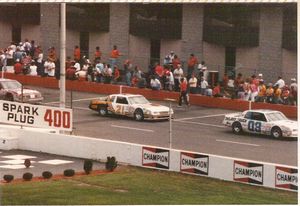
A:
50, 27
119, 29
270, 42
192, 31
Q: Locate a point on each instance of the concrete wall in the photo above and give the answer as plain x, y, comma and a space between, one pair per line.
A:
5, 34
192, 30
247, 60
168, 45
270, 41
214, 57
100, 39
72, 39
31, 32
50, 26
289, 65
208, 165
139, 51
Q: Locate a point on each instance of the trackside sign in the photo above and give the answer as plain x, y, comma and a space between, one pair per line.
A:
194, 163
248, 172
286, 178
36, 115
156, 157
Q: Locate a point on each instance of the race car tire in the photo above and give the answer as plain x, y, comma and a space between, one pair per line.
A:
102, 111
138, 115
237, 128
276, 132
9, 97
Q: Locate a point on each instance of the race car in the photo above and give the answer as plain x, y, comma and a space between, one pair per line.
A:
131, 105
259, 121
11, 90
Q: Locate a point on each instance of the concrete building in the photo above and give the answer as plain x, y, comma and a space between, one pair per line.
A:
246, 38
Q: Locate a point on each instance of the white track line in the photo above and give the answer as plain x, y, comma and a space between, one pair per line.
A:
242, 143
200, 117
205, 124
76, 100
132, 128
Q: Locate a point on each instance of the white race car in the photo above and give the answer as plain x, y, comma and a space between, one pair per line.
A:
268, 122
131, 105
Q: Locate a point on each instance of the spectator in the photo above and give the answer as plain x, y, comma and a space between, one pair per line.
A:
18, 67
70, 73
247, 89
277, 95
91, 73
32, 49
209, 91
217, 91
202, 70
203, 86
10, 56
77, 66
155, 83
27, 46
142, 82
175, 62
33, 68
270, 93
169, 80
137, 75
192, 61
193, 82
108, 74
97, 55
293, 84
114, 56
183, 92
237, 82
253, 89
117, 76
293, 95
241, 90
99, 72
38, 57
49, 67
52, 54
77, 53
18, 54
159, 71
225, 81
26, 61
261, 91
280, 82
285, 95
178, 74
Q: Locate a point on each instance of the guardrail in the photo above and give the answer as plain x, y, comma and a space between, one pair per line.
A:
230, 169
195, 99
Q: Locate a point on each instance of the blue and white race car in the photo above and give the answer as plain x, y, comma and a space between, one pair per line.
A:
260, 121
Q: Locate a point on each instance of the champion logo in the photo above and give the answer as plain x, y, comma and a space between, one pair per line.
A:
248, 172
194, 163
156, 157
286, 178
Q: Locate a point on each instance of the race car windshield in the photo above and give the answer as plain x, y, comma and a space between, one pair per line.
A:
275, 116
138, 100
11, 85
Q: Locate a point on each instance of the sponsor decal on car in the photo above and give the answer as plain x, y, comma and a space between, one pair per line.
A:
248, 172
286, 178
194, 163
156, 157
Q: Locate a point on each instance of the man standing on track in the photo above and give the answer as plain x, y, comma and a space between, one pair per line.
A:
183, 92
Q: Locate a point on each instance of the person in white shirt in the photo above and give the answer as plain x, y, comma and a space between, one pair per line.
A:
169, 80
280, 83
99, 72
77, 66
49, 68
108, 74
202, 70
178, 73
294, 84
193, 84
155, 83
33, 68
203, 86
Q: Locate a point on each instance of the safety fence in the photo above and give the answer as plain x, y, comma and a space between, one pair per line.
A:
208, 165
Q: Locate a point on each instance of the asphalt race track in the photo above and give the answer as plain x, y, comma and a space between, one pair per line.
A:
197, 129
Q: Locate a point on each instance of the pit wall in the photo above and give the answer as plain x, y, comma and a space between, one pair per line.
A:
207, 165
195, 99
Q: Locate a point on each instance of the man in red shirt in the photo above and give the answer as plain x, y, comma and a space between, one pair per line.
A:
183, 92
77, 53
97, 55
191, 65
18, 67
114, 55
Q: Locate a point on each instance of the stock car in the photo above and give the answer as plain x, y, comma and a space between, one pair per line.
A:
259, 121
11, 90
131, 105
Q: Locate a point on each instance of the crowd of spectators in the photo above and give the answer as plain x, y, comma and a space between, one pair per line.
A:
29, 59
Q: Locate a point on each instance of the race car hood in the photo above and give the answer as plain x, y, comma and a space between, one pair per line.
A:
25, 91
154, 107
287, 123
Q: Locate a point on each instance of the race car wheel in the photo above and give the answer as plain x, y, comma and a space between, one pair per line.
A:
237, 128
138, 115
9, 97
102, 111
276, 132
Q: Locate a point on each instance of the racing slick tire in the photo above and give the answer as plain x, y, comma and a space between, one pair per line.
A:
9, 97
237, 128
102, 111
138, 115
276, 133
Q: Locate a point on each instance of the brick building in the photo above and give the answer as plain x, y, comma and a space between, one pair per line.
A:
252, 38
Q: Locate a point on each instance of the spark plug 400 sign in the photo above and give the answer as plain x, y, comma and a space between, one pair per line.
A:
36, 115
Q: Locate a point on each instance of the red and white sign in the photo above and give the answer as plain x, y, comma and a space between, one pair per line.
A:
194, 163
286, 178
156, 157
36, 115
248, 172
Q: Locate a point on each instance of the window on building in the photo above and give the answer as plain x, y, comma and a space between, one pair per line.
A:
84, 43
16, 33
154, 51
231, 25
88, 17
289, 36
156, 21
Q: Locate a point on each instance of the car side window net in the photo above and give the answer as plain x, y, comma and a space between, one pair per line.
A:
122, 100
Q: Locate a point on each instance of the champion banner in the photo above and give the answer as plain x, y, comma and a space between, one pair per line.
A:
156, 157
248, 172
36, 115
194, 163
286, 178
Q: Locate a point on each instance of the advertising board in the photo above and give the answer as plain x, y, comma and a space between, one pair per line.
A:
248, 172
286, 178
156, 157
194, 163
36, 115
